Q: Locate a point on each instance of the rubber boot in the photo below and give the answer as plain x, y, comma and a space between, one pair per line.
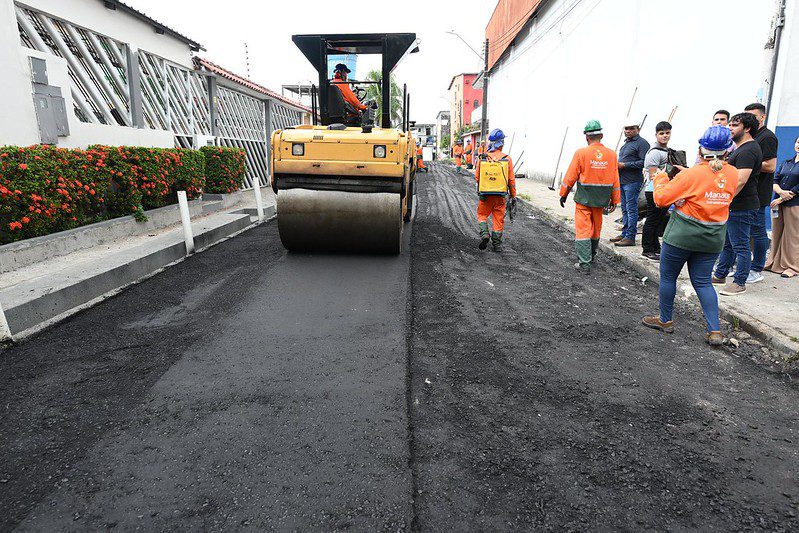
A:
594, 247
496, 241
484, 235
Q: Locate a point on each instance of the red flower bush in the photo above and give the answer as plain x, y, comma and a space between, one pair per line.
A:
45, 189
224, 169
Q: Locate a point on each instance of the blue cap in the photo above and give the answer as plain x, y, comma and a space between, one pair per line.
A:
716, 139
496, 135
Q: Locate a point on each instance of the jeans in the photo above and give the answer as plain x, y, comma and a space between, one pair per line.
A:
736, 247
655, 223
700, 268
760, 240
629, 209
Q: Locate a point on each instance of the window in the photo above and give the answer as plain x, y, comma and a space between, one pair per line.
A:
476, 103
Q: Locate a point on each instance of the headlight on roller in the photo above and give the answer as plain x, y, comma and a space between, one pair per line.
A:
380, 151
298, 149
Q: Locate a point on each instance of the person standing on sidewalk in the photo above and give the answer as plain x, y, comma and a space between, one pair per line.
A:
769, 146
696, 230
495, 180
631, 166
657, 158
747, 158
784, 259
595, 171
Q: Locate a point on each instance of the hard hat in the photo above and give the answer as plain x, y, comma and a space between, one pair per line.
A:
592, 127
341, 67
716, 139
496, 135
458, 142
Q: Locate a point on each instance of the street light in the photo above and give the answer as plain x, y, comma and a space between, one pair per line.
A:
478, 54
484, 58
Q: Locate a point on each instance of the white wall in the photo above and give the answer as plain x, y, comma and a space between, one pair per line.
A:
699, 55
82, 134
786, 86
17, 117
116, 24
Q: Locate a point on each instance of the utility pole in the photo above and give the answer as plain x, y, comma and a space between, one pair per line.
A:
484, 118
779, 25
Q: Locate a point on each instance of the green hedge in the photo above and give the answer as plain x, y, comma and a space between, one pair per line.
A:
224, 169
46, 189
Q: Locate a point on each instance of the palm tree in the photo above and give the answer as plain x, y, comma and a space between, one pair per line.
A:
373, 92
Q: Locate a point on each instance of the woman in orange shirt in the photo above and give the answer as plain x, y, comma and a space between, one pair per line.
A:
696, 230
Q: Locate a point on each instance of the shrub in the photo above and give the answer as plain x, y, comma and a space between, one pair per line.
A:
224, 169
45, 189
188, 172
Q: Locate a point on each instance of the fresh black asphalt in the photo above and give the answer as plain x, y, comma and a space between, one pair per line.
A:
445, 389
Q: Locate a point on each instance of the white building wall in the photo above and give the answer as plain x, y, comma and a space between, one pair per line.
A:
17, 117
583, 59
116, 24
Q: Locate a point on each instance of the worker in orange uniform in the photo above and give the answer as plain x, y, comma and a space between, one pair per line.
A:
481, 149
495, 180
595, 171
457, 153
340, 82
467, 152
420, 159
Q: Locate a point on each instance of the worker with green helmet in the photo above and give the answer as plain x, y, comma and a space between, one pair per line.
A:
595, 172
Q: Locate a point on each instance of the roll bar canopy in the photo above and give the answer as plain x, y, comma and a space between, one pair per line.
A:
392, 47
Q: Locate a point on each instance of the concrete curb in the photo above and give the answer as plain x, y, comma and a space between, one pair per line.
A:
751, 325
33, 316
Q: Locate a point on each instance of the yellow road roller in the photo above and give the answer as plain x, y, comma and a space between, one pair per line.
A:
345, 183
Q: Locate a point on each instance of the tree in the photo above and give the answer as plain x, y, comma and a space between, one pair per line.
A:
373, 92
444, 141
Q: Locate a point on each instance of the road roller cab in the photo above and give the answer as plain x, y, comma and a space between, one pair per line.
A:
345, 188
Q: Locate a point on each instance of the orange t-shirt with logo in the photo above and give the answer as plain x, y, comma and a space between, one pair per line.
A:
595, 171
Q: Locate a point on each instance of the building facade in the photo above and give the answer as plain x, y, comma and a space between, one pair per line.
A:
463, 99
100, 72
555, 65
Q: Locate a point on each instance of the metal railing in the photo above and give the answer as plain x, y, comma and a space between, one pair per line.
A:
114, 83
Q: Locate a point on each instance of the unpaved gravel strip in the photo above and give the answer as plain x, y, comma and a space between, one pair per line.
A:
539, 402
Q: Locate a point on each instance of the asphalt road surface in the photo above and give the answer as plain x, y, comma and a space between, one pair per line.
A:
443, 389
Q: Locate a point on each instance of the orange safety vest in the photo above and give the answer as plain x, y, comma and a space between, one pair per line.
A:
346, 92
707, 194
595, 171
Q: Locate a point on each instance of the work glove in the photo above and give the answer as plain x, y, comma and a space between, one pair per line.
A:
481, 197
563, 201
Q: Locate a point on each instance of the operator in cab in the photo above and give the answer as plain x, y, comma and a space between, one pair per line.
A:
340, 82
495, 182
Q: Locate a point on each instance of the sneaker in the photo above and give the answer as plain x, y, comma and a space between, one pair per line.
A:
733, 289
754, 277
652, 256
624, 242
483, 243
718, 281
714, 338
617, 238
655, 323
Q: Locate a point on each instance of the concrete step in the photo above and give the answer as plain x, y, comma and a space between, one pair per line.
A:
50, 290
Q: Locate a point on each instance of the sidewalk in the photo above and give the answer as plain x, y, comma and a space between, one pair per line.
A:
768, 310
58, 284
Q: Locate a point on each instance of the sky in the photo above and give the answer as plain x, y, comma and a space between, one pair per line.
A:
223, 28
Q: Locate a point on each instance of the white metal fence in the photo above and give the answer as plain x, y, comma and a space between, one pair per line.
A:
115, 83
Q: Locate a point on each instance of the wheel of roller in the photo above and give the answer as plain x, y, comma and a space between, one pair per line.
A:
339, 222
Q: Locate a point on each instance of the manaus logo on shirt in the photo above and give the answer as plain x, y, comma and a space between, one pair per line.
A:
721, 181
599, 154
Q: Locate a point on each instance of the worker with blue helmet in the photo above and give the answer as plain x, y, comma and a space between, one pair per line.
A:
696, 232
495, 182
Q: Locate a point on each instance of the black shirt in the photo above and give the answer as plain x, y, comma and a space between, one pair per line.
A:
748, 155
768, 145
